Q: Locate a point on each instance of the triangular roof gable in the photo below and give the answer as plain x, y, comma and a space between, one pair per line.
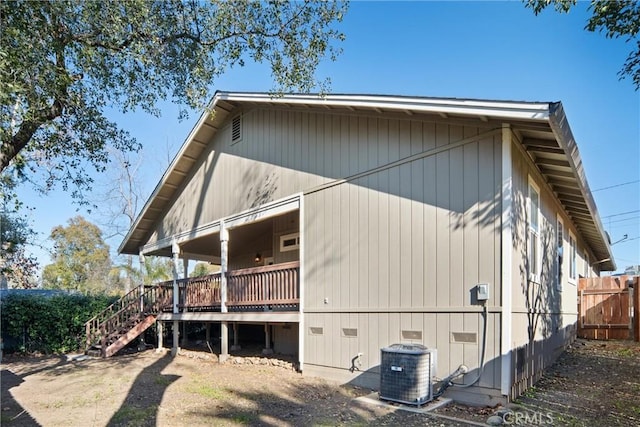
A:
557, 159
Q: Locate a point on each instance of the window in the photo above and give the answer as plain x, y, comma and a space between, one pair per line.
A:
559, 253
572, 257
289, 242
585, 263
533, 249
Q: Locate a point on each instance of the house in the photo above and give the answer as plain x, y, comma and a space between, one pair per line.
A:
347, 223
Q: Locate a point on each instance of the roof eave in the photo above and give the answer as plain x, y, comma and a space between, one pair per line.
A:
560, 127
122, 249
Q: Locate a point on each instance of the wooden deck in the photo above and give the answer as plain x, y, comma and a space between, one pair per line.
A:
258, 289
262, 294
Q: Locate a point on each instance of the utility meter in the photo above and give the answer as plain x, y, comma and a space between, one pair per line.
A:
482, 291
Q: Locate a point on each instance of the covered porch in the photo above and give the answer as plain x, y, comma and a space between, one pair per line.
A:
258, 281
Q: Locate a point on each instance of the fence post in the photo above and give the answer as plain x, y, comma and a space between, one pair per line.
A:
636, 308
87, 334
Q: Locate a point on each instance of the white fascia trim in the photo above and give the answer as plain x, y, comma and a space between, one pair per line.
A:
271, 209
165, 176
538, 111
506, 262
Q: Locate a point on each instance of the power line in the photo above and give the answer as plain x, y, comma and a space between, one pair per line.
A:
632, 218
619, 214
615, 186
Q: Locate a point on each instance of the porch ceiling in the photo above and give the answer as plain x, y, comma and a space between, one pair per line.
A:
241, 241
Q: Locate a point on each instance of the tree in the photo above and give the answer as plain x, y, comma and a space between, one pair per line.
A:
204, 269
63, 62
17, 268
120, 194
81, 258
155, 269
616, 19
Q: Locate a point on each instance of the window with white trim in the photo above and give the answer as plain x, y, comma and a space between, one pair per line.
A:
585, 263
533, 249
289, 242
572, 257
559, 253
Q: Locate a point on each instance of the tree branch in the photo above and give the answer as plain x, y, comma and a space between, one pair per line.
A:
26, 131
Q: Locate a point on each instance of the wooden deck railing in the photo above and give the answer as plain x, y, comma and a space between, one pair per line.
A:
200, 292
273, 286
142, 300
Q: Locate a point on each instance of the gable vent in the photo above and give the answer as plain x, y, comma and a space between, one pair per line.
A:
236, 129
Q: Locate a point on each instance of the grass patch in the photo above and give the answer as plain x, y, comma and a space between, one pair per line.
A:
566, 420
625, 352
162, 380
131, 415
209, 392
530, 392
245, 418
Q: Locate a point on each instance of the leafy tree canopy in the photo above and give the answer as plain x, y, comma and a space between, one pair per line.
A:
153, 270
81, 258
204, 269
64, 62
616, 19
17, 268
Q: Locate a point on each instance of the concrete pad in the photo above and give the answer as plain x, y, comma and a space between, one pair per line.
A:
427, 408
374, 399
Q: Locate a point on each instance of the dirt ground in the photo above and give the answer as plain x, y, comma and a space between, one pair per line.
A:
593, 383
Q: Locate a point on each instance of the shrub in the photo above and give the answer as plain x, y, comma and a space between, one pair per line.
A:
47, 324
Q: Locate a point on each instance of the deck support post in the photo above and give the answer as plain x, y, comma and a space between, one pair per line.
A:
224, 342
267, 339
160, 336
175, 250
185, 275
183, 335
207, 332
224, 261
175, 348
235, 346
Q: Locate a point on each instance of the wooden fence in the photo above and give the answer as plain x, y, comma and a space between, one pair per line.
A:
609, 307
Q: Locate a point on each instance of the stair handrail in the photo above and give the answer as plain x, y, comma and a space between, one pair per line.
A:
142, 302
93, 324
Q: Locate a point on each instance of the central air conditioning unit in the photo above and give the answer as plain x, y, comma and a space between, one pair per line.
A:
405, 373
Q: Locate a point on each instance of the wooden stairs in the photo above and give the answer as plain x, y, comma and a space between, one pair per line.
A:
111, 330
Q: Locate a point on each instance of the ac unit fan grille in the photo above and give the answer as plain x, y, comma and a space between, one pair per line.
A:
405, 374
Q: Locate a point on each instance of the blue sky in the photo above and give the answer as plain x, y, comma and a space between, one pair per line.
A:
486, 50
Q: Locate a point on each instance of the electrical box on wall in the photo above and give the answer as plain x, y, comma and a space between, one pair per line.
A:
482, 291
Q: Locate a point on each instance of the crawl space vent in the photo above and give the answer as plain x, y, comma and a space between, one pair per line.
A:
406, 372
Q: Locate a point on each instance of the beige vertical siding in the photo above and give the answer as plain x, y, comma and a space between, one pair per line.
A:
400, 249
542, 308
